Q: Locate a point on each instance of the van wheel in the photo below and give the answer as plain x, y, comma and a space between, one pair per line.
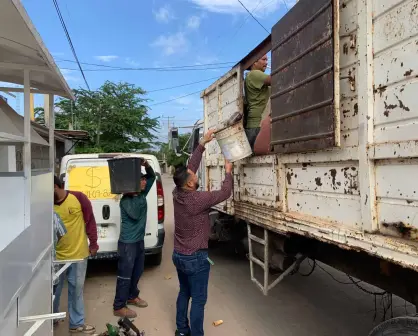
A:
155, 259
406, 326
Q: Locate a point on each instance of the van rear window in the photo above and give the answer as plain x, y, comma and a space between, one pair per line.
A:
93, 181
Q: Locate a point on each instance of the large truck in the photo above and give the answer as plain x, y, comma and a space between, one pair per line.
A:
339, 185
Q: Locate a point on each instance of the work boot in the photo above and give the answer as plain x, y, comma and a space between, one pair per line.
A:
178, 333
125, 312
137, 302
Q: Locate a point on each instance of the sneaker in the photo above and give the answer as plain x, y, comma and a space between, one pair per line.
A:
125, 312
138, 302
84, 329
178, 333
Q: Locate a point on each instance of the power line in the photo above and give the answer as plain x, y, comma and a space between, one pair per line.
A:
182, 85
177, 98
242, 25
150, 69
253, 16
146, 68
70, 41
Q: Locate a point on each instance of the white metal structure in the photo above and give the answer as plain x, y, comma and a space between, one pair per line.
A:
89, 173
363, 194
26, 197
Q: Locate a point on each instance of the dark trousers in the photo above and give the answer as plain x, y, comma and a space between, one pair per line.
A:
130, 269
252, 134
193, 273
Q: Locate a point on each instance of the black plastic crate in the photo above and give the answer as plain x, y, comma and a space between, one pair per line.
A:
125, 174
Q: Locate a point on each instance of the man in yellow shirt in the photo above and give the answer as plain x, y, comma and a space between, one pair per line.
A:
75, 210
257, 93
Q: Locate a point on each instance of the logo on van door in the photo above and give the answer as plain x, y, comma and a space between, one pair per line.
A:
93, 181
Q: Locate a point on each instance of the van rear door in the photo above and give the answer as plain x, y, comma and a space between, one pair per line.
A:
91, 176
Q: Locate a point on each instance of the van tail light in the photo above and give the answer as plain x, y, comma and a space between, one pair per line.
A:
160, 201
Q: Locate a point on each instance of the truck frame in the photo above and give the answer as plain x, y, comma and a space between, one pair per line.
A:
338, 185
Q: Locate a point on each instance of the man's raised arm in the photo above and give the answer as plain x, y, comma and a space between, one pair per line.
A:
196, 157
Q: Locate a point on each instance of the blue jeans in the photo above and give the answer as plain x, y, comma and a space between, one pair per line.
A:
76, 275
252, 134
130, 269
193, 273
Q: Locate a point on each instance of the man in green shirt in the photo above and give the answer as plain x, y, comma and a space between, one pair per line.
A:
133, 208
257, 93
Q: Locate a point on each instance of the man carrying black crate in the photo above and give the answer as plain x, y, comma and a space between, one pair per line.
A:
133, 207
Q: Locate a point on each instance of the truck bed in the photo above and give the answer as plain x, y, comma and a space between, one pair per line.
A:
361, 194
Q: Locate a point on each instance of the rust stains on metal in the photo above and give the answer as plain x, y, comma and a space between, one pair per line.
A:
408, 73
289, 177
333, 175
355, 109
380, 89
404, 230
390, 106
318, 181
351, 180
401, 105
345, 48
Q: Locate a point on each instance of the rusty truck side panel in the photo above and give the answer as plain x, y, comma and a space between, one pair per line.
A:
304, 97
362, 195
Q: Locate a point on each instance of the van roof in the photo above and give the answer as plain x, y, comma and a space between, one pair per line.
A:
108, 156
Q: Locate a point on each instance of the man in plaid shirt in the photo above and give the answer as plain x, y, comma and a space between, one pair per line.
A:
191, 236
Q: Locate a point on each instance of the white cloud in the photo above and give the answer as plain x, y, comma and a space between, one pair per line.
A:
172, 44
107, 58
131, 62
164, 14
193, 22
233, 6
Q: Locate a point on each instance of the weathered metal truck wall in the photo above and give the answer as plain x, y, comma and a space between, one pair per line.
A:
364, 194
221, 100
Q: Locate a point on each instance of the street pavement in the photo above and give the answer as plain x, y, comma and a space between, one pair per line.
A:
299, 306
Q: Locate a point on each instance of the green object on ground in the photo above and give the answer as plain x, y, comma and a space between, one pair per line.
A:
112, 330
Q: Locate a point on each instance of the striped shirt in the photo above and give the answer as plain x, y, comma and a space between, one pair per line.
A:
191, 211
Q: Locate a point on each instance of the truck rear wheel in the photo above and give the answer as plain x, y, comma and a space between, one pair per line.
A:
399, 326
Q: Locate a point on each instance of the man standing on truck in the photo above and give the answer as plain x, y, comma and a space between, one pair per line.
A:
131, 247
257, 94
191, 236
75, 210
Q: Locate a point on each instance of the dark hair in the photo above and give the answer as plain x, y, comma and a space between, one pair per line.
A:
57, 182
181, 175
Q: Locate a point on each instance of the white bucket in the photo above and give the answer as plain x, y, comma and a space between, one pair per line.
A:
234, 143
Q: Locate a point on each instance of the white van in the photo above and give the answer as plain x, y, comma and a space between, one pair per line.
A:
89, 174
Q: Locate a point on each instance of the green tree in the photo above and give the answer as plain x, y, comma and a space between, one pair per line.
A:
39, 115
170, 155
115, 116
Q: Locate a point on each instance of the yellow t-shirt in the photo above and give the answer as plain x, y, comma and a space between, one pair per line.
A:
77, 214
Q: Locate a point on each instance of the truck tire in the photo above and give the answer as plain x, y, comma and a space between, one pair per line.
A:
398, 326
155, 259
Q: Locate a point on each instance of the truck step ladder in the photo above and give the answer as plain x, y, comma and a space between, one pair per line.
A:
266, 286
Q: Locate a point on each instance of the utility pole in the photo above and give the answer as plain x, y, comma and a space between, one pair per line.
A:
168, 122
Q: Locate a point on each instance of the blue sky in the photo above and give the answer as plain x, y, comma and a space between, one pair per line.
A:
154, 33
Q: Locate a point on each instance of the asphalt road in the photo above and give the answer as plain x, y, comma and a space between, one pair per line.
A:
299, 306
